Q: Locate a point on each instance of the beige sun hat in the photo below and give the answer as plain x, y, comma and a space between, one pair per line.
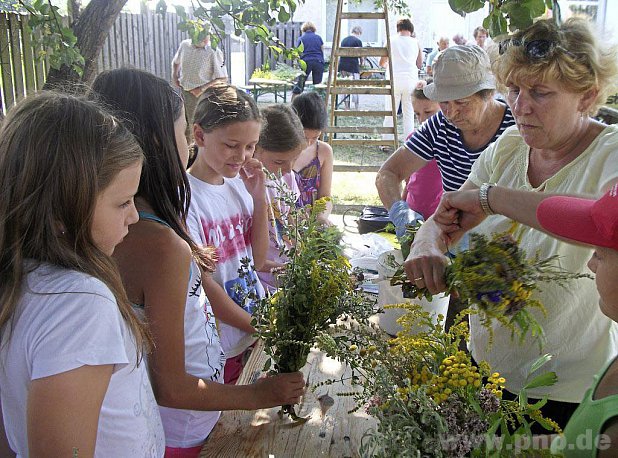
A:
459, 72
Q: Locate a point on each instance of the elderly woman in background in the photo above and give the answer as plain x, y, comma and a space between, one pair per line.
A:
470, 120
557, 77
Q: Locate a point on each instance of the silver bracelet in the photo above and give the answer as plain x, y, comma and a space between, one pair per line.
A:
484, 198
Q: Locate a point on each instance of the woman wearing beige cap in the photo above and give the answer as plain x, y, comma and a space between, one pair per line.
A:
471, 119
557, 77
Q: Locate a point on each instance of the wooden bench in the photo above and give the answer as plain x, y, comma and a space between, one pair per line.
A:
261, 86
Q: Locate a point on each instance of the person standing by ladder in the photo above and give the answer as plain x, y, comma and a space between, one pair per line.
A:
350, 66
406, 59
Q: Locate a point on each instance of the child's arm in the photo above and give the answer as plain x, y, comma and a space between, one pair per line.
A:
165, 296
63, 411
254, 178
326, 179
224, 308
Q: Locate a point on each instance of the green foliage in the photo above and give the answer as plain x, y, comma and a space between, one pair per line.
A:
315, 289
253, 17
428, 396
56, 40
507, 15
397, 6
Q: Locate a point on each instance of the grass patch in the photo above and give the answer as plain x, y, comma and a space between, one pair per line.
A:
355, 188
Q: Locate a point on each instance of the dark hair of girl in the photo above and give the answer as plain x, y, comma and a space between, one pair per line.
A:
311, 110
57, 154
281, 129
150, 106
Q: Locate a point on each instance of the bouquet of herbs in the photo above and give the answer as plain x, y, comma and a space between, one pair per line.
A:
495, 279
427, 395
316, 287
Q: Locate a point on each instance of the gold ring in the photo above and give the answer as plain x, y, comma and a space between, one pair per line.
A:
419, 278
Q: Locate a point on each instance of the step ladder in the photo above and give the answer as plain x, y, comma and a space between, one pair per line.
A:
337, 134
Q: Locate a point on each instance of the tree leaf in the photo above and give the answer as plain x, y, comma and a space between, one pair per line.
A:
180, 12
519, 17
283, 15
537, 7
462, 7
161, 7
495, 23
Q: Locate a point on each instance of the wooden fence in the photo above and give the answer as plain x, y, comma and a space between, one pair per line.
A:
20, 73
147, 41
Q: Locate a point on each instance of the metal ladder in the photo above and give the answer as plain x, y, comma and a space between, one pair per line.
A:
346, 87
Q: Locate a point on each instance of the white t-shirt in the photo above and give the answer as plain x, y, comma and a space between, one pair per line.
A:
404, 52
221, 216
205, 359
65, 320
580, 338
278, 215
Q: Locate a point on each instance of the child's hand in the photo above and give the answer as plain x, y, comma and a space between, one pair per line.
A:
254, 177
278, 390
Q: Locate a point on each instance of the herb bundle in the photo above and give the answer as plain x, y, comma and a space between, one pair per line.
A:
316, 287
496, 280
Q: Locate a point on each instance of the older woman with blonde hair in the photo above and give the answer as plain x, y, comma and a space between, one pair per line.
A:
557, 77
312, 55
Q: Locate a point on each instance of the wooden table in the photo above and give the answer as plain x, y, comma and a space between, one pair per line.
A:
330, 430
260, 86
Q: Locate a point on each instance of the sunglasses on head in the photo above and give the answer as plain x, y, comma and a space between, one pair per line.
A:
534, 49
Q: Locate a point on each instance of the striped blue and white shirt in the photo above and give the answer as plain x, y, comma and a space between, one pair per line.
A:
438, 139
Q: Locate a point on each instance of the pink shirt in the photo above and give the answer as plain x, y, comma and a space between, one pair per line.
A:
425, 189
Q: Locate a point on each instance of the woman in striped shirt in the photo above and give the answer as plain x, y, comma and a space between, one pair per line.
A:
470, 120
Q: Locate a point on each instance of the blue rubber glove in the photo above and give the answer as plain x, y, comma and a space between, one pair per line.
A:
401, 215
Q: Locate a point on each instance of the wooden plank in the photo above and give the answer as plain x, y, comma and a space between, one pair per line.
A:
358, 15
124, 33
137, 43
149, 41
171, 45
133, 58
362, 52
361, 90
355, 168
329, 430
27, 47
16, 58
159, 45
40, 68
342, 82
359, 130
5, 63
144, 41
113, 47
376, 113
